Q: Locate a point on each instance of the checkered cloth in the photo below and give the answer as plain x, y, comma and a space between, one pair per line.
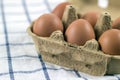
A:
18, 57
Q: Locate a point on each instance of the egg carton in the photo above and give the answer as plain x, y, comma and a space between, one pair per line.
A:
87, 58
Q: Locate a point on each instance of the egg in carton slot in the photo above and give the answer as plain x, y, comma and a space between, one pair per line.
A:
87, 58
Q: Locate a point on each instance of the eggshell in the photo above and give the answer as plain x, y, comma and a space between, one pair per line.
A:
79, 32
91, 17
110, 42
46, 24
59, 9
116, 24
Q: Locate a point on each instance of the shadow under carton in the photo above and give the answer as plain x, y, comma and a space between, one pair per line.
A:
87, 58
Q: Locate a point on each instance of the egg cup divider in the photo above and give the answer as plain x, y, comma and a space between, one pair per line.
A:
103, 24
69, 15
87, 58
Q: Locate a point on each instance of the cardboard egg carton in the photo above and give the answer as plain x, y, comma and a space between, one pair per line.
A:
87, 58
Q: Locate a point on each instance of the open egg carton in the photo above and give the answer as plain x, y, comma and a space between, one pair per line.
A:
88, 58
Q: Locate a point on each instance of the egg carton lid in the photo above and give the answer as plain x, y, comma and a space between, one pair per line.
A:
87, 58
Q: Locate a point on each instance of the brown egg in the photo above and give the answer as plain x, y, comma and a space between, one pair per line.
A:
116, 24
79, 32
46, 24
110, 42
59, 9
91, 17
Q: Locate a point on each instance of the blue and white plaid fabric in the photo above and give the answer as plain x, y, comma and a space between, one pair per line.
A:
18, 57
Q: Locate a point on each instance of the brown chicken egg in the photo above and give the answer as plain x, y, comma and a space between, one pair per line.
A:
91, 17
116, 24
110, 42
59, 9
46, 24
79, 31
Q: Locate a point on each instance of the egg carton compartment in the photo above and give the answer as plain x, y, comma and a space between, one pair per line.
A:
87, 58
